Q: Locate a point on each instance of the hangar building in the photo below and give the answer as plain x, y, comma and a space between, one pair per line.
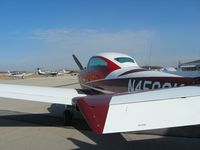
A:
190, 66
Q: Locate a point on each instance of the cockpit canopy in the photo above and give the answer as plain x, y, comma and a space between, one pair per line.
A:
103, 60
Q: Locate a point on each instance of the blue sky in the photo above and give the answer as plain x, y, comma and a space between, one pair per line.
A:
45, 33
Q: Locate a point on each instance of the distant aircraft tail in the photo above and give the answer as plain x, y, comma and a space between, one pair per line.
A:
77, 62
39, 71
9, 73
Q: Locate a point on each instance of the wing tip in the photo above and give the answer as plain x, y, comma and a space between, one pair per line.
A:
94, 110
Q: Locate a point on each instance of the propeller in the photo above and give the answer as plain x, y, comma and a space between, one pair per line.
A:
77, 62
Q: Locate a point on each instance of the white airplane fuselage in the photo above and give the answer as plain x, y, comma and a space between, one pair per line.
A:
111, 75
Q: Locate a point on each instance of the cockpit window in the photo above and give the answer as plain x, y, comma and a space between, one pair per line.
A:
96, 62
124, 59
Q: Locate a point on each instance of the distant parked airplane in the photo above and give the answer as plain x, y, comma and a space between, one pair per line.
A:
16, 74
47, 73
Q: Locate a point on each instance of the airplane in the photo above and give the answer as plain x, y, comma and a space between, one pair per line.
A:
61, 72
48, 73
16, 75
119, 96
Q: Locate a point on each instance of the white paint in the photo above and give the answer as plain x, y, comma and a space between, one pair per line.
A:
154, 95
146, 84
116, 74
39, 94
148, 111
156, 85
140, 85
112, 56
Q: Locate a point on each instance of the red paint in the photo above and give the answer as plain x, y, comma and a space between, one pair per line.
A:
94, 109
100, 73
111, 65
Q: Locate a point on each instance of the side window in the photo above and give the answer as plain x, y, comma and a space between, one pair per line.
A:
96, 62
124, 60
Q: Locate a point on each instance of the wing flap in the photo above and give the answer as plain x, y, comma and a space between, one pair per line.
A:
39, 94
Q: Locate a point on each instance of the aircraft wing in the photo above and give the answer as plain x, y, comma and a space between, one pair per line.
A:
39, 94
156, 109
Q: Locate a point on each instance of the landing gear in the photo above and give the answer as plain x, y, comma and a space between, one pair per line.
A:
68, 116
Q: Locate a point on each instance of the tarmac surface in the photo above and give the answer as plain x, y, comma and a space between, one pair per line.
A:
26, 125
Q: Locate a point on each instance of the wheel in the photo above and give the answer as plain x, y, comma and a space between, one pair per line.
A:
68, 116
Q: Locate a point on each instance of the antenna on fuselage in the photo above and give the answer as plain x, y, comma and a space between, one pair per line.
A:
77, 62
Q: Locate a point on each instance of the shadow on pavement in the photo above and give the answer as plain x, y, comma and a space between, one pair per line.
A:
118, 142
13, 118
108, 141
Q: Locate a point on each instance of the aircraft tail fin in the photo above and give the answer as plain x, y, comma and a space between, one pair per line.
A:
9, 73
39, 71
77, 62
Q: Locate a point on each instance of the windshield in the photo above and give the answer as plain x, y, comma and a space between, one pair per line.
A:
96, 62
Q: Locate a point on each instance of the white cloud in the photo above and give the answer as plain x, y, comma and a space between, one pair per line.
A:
87, 42
93, 39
